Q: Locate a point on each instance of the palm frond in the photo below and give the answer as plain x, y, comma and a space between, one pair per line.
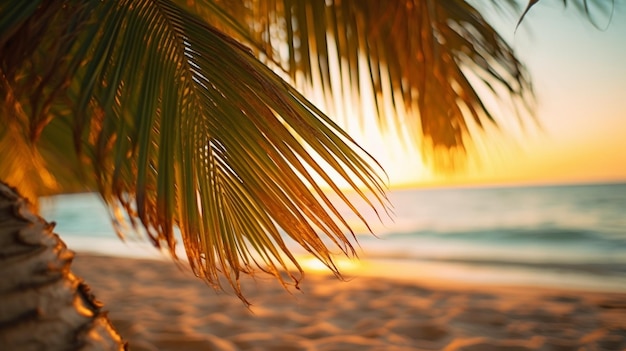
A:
429, 65
21, 165
35, 42
189, 132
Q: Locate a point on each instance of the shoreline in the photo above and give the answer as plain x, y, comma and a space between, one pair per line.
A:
532, 276
580, 276
157, 306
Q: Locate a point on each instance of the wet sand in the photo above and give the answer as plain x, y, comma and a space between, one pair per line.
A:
157, 306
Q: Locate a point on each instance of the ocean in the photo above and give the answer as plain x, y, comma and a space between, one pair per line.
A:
561, 236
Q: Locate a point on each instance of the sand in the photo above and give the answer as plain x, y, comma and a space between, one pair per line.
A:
156, 306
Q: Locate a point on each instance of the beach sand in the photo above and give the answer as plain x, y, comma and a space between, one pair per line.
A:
157, 306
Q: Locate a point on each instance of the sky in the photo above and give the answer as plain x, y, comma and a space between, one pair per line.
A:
579, 77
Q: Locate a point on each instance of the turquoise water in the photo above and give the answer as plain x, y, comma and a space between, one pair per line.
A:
556, 235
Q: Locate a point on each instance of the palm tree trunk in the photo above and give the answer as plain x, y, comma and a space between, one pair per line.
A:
43, 306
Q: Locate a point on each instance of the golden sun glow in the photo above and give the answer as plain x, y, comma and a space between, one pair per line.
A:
345, 265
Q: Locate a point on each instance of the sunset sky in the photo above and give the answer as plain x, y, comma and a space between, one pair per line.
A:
579, 76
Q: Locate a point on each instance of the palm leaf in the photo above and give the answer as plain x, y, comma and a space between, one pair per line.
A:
430, 64
189, 132
35, 42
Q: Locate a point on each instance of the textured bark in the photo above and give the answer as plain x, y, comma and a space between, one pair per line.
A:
43, 306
